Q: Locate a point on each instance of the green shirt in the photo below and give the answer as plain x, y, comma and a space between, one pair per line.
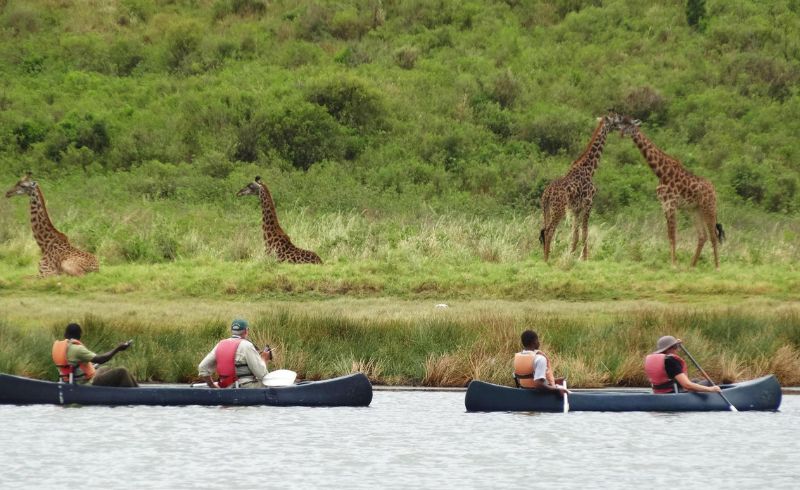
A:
79, 353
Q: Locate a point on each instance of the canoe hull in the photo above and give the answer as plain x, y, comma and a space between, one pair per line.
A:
354, 390
757, 394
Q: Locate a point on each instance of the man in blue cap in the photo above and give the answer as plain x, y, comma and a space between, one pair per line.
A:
236, 360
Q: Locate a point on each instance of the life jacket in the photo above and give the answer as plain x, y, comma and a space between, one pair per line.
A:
656, 370
225, 352
523, 369
67, 371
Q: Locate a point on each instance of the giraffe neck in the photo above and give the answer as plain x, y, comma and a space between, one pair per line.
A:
44, 232
658, 161
270, 218
590, 157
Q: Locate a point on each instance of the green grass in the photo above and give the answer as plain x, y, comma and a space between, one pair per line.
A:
402, 343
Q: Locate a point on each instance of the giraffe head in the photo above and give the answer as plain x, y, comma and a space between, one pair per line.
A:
628, 126
251, 189
612, 120
26, 185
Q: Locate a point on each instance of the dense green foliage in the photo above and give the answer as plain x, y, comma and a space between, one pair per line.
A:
450, 103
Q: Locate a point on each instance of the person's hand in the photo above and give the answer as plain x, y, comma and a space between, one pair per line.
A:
715, 389
124, 345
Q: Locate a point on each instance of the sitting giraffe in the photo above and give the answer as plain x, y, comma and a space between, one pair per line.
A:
575, 191
678, 188
275, 239
58, 255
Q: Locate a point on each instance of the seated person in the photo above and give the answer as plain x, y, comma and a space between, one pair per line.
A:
75, 362
532, 367
236, 361
667, 371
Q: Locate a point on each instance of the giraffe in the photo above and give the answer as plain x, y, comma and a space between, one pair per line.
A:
678, 188
575, 190
275, 239
58, 255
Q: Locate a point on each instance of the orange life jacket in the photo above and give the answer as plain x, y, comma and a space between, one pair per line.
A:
225, 352
656, 370
67, 370
523, 369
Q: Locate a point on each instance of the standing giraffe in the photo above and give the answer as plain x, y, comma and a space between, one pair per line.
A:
678, 188
58, 255
575, 191
275, 239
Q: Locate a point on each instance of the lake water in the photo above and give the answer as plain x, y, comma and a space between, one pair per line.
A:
405, 439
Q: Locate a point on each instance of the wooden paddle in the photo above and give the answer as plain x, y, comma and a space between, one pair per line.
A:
730, 405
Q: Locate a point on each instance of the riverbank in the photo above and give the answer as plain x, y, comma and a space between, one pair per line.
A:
416, 343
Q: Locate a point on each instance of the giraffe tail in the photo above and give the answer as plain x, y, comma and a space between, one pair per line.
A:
541, 236
720, 233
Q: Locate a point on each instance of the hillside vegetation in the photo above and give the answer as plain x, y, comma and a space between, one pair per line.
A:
399, 138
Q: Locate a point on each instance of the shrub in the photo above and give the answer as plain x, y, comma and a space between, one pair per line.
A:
28, 133
406, 57
183, 48
346, 24
125, 55
304, 134
553, 132
696, 13
748, 183
645, 103
505, 89
350, 101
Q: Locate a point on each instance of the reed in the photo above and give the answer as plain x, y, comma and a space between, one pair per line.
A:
429, 347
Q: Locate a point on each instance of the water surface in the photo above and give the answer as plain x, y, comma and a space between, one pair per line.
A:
416, 439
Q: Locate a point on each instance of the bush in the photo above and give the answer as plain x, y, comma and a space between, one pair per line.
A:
350, 101
182, 52
553, 132
125, 55
304, 134
505, 89
645, 103
748, 183
28, 133
406, 57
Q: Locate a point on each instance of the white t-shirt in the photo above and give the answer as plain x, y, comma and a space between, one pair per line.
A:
539, 366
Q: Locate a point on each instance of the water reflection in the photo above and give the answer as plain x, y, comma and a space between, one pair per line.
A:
404, 439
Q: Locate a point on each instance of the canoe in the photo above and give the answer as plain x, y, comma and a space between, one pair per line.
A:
757, 394
353, 390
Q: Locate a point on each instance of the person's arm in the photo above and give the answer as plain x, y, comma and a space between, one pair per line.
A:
206, 367
540, 376
690, 385
103, 358
255, 361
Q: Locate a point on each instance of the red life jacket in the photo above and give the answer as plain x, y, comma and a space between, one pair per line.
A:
656, 370
225, 352
523, 368
66, 370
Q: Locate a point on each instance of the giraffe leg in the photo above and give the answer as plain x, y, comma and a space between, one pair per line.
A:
701, 237
711, 225
46, 268
670, 215
585, 228
550, 231
575, 228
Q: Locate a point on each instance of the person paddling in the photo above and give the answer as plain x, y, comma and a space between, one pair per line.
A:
667, 371
532, 367
75, 362
236, 361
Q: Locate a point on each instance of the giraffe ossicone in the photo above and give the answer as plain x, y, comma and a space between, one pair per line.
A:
58, 255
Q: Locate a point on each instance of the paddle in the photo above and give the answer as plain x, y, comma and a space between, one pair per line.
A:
281, 377
730, 405
566, 399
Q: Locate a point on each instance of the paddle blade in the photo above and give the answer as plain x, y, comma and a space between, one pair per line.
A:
281, 377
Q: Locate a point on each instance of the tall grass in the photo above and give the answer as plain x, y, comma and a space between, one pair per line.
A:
435, 348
